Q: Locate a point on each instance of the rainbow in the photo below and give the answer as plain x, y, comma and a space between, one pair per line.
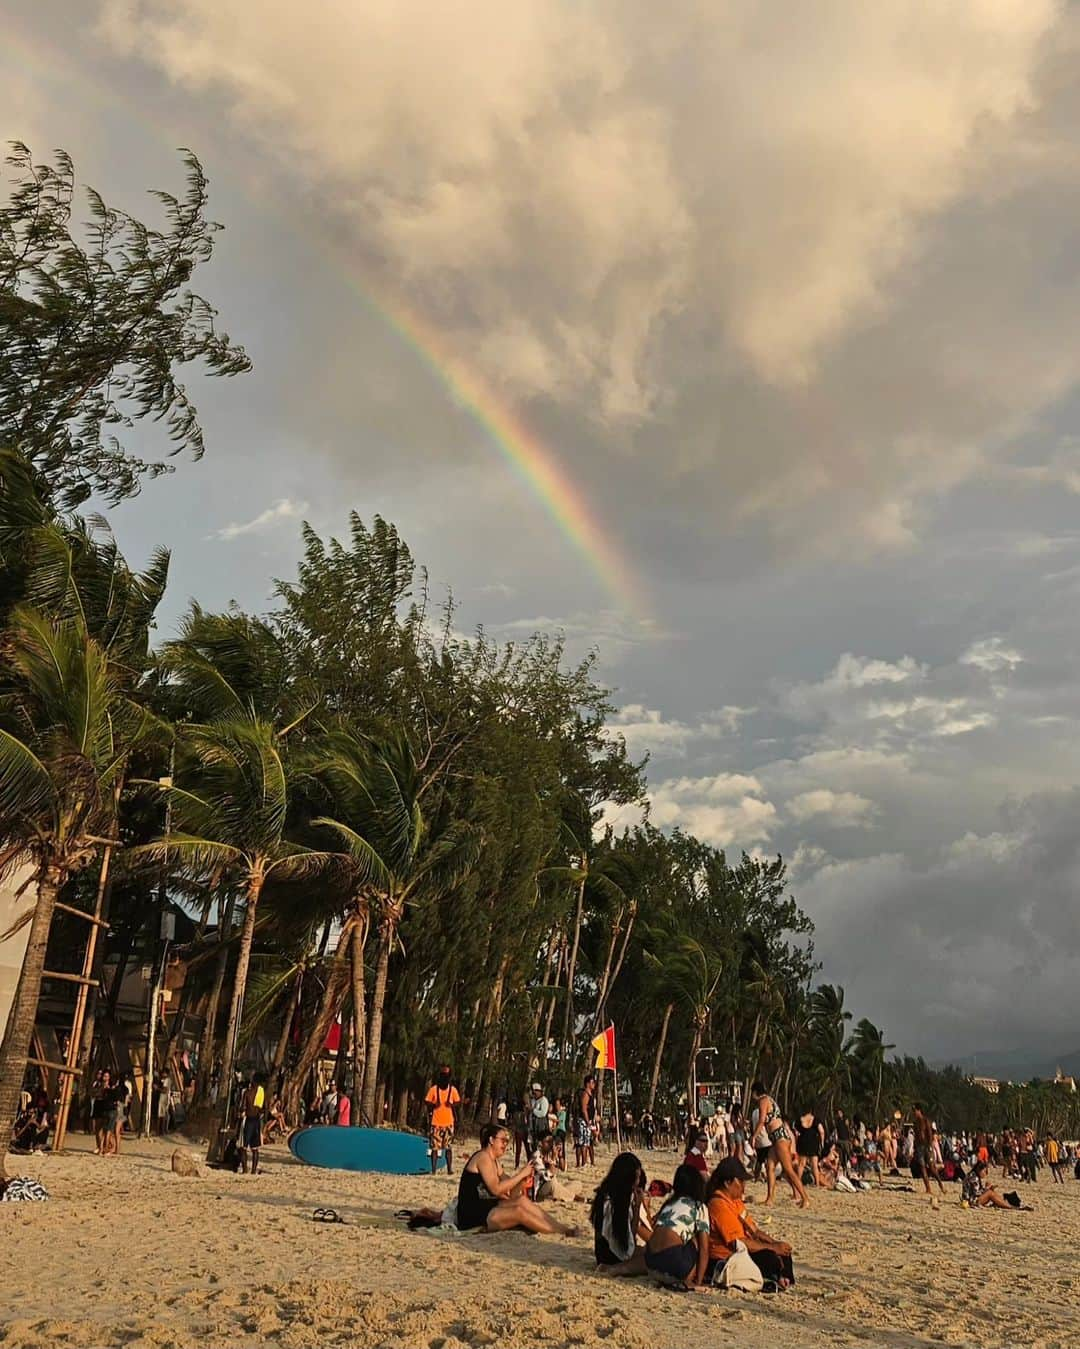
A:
533, 463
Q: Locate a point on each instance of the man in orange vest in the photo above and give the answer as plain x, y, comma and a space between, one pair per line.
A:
440, 1100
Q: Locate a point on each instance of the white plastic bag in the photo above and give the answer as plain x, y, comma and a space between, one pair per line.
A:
739, 1272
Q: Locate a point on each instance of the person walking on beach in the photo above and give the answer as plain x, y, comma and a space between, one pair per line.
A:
441, 1099
923, 1155
781, 1147
1053, 1159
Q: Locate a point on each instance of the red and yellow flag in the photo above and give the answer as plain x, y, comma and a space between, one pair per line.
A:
604, 1044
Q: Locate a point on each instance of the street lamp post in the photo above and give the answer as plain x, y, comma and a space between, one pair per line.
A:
705, 1049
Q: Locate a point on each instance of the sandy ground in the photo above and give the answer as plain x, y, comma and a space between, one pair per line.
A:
126, 1253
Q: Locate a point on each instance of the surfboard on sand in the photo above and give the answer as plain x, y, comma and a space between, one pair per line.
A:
346, 1149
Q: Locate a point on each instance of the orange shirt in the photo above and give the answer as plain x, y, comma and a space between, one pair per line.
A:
727, 1225
442, 1098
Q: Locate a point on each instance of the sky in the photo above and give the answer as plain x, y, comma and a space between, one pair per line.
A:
737, 341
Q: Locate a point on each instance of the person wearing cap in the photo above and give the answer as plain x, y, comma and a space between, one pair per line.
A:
441, 1098
729, 1222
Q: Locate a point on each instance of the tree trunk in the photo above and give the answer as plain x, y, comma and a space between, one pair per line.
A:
554, 946
23, 1014
568, 1012
282, 1047
622, 950
333, 995
378, 1001
209, 1039
243, 960
654, 1081
602, 991
359, 995
695, 1045
403, 1108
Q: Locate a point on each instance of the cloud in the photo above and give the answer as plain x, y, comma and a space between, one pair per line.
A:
963, 947
285, 509
723, 809
602, 217
841, 809
992, 655
647, 729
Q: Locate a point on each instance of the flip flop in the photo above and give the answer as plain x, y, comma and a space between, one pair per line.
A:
327, 1215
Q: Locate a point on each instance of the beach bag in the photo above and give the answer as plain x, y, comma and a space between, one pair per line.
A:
739, 1272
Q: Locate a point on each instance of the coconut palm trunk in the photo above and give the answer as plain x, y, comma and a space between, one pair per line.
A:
375, 1022
243, 961
661, 1045
23, 1014
209, 1037
333, 996
282, 1047
359, 997
568, 1011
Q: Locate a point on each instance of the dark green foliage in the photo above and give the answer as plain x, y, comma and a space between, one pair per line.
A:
93, 325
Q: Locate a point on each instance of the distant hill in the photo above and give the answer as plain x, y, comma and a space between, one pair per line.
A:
1016, 1065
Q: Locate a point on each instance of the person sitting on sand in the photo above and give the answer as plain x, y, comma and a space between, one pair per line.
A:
497, 1203
695, 1153
781, 1147
729, 1222
31, 1129
620, 1218
980, 1193
276, 1122
679, 1246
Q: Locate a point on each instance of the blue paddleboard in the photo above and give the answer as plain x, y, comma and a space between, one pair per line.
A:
347, 1149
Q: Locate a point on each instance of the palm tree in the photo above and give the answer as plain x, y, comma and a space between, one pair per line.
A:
229, 804
689, 973
67, 728
829, 1049
868, 1044
377, 785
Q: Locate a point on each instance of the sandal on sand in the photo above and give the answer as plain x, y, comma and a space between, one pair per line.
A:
327, 1215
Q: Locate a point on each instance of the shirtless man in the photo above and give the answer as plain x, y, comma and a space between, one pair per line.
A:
924, 1150
585, 1125
251, 1129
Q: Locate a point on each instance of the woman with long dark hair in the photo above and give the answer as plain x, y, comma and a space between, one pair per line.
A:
679, 1246
620, 1218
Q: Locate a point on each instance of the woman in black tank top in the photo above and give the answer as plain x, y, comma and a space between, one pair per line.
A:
494, 1202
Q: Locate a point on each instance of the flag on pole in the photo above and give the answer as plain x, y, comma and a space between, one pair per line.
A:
604, 1044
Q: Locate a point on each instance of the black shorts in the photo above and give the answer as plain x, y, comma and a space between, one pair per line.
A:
677, 1262
252, 1133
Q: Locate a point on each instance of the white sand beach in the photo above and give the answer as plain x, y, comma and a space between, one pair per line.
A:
125, 1252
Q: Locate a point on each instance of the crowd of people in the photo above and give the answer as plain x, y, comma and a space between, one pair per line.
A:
696, 1232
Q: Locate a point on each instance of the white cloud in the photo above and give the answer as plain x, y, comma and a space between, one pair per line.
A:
725, 809
840, 809
992, 655
647, 729
285, 509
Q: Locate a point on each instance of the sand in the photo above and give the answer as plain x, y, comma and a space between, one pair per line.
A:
127, 1253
